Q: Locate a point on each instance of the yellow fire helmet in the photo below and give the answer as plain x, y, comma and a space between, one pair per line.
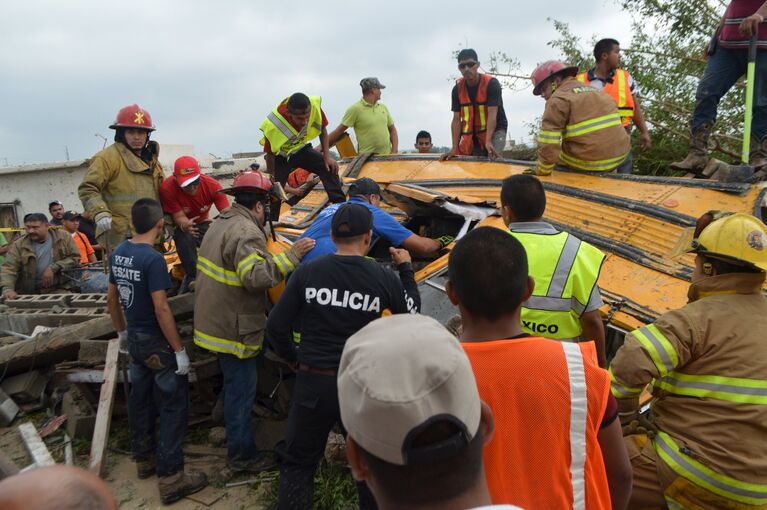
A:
275, 247
737, 238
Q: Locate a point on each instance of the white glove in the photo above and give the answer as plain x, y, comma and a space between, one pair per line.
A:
105, 222
123, 336
182, 360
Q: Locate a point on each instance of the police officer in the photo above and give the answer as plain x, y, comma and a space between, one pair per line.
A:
565, 303
332, 297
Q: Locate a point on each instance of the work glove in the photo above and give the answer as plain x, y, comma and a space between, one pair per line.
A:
444, 240
123, 336
639, 424
105, 222
182, 360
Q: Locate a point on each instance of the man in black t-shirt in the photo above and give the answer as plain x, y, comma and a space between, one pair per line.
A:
332, 297
479, 121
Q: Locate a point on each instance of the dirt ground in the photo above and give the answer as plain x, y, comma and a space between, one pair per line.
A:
132, 493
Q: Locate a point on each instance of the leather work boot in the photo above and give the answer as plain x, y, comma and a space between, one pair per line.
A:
181, 484
254, 466
758, 156
145, 467
697, 157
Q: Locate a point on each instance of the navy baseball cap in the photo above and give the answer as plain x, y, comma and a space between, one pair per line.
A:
351, 220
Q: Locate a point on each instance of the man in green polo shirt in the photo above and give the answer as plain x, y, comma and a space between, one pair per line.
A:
373, 124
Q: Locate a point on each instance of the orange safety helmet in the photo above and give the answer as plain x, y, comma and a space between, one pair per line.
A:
547, 70
250, 182
133, 116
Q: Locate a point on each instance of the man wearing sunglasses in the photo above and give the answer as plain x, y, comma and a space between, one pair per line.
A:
479, 121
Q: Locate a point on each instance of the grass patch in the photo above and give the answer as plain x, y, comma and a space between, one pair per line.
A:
334, 489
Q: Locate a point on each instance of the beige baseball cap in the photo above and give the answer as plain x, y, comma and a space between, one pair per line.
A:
399, 375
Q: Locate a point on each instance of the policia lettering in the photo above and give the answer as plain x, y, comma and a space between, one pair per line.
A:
353, 300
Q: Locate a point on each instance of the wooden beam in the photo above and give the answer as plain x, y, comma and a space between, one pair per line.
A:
104, 413
35, 445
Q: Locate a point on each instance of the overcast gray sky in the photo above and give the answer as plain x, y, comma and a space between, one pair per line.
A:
209, 71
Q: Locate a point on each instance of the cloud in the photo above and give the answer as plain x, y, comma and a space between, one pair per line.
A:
210, 71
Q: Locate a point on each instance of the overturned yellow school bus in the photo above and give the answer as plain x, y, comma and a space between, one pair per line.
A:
635, 220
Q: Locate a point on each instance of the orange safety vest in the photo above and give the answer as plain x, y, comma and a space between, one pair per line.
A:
548, 399
620, 91
473, 114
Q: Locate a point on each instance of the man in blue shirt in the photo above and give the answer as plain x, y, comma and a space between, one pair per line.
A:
138, 306
367, 192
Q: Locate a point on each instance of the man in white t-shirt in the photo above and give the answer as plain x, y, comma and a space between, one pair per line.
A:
415, 423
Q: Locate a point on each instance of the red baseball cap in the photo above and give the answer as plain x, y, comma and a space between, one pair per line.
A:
186, 170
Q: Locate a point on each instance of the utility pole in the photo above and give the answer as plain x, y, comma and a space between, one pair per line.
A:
103, 138
66, 151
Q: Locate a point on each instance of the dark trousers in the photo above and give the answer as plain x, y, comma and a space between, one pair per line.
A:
723, 69
240, 381
312, 416
311, 160
156, 389
186, 247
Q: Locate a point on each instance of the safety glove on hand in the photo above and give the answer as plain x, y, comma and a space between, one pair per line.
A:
182, 360
444, 241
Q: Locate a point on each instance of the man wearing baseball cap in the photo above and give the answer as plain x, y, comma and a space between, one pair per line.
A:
373, 124
416, 426
366, 192
324, 303
188, 196
70, 221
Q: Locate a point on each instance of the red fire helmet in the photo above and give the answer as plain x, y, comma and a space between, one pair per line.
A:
548, 69
133, 116
250, 182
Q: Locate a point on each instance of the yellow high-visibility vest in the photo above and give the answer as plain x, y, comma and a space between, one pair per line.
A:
283, 137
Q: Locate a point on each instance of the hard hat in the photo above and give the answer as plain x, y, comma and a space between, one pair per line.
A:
186, 170
549, 69
133, 116
739, 239
249, 182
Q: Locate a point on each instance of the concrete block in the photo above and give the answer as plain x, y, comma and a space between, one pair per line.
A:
8, 409
41, 301
88, 301
81, 417
27, 387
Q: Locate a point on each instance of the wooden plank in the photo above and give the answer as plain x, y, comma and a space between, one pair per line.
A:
104, 413
35, 445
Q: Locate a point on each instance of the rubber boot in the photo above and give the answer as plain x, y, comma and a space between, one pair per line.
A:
180, 484
697, 157
758, 156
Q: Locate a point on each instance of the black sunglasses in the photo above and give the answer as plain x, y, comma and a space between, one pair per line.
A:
467, 65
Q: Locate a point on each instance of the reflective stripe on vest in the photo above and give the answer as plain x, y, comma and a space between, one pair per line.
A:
658, 347
225, 346
218, 273
729, 389
283, 137
600, 165
578, 419
555, 307
591, 125
473, 113
554, 137
703, 476
620, 90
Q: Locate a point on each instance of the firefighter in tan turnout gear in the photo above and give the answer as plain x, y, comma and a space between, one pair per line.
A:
121, 174
581, 127
234, 271
704, 444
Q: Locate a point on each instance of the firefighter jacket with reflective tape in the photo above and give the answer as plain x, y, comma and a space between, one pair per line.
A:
617, 87
581, 129
283, 137
115, 179
234, 271
566, 271
707, 363
19, 270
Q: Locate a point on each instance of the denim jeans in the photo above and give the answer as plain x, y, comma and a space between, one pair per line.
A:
186, 247
723, 69
627, 167
240, 381
156, 389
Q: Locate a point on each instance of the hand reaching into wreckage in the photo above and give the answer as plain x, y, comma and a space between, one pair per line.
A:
10, 294
399, 256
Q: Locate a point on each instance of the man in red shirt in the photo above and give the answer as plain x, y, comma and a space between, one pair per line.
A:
188, 197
